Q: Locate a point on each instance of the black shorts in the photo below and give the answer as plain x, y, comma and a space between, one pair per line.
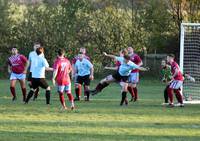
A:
120, 78
39, 82
84, 79
30, 76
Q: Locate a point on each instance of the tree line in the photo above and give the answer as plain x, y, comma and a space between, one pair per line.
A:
98, 25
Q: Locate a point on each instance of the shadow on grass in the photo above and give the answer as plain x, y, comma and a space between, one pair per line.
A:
39, 136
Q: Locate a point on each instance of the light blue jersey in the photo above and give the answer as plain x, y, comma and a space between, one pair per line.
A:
126, 68
39, 63
83, 67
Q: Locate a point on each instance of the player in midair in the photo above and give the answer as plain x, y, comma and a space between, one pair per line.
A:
17, 67
78, 87
176, 82
61, 76
38, 75
134, 76
84, 70
121, 75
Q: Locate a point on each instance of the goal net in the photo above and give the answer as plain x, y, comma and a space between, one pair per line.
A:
190, 60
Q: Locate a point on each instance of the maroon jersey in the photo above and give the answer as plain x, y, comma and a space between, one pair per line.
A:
17, 63
174, 67
117, 64
135, 59
63, 67
77, 58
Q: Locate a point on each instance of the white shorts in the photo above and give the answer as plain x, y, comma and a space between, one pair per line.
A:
133, 78
64, 88
176, 84
15, 76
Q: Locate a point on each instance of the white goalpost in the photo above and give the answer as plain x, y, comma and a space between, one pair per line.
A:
190, 60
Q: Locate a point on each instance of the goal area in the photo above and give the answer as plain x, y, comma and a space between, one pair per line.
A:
190, 60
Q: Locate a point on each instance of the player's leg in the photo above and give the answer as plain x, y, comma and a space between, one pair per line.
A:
30, 85
78, 88
43, 84
166, 94
103, 84
134, 79
124, 86
170, 93
35, 85
69, 95
87, 84
23, 86
177, 91
13, 80
79, 83
60, 90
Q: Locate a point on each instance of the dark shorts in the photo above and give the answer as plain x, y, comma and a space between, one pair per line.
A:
30, 76
120, 78
84, 79
39, 82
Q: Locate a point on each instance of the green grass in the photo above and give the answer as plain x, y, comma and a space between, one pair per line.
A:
101, 119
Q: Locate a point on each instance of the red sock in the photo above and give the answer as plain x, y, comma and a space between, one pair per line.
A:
179, 96
62, 98
170, 94
136, 93
12, 90
70, 97
24, 93
131, 91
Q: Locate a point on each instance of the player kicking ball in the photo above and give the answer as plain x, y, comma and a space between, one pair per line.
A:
61, 77
121, 75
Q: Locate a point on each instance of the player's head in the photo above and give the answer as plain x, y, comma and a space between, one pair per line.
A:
170, 58
61, 52
126, 58
123, 52
83, 50
81, 55
14, 50
40, 50
130, 50
163, 62
36, 45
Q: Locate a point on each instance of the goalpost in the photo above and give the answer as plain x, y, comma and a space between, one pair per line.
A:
190, 60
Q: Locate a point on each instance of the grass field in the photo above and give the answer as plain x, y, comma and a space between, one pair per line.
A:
101, 119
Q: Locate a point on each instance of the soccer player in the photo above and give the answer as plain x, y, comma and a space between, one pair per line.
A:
17, 67
121, 75
38, 75
166, 78
77, 85
85, 70
176, 82
31, 57
134, 76
62, 70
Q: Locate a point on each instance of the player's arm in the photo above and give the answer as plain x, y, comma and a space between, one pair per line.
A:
111, 68
46, 65
9, 66
91, 70
55, 71
143, 68
26, 66
109, 55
